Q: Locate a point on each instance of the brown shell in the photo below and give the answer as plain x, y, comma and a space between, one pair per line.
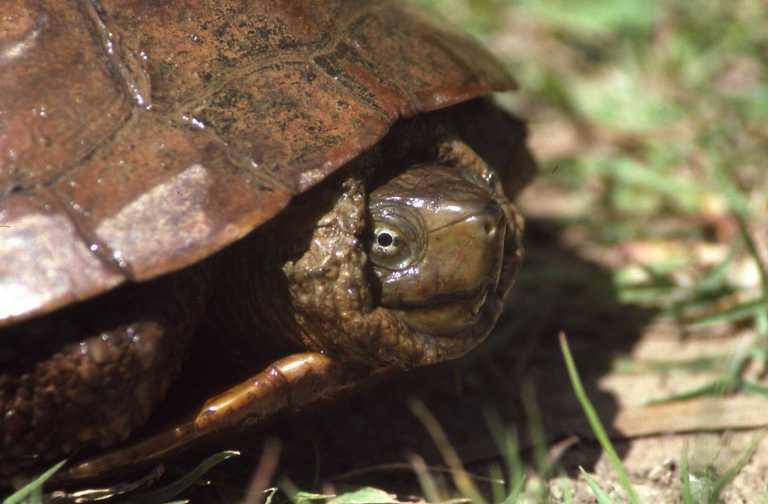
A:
140, 136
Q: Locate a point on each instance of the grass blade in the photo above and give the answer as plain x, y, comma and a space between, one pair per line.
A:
597, 490
716, 388
460, 476
741, 311
33, 489
685, 477
732, 471
427, 483
497, 483
595, 423
174, 488
506, 440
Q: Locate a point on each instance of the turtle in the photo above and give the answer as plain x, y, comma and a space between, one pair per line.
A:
212, 212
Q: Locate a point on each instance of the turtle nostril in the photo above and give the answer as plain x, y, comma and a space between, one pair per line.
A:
490, 228
493, 218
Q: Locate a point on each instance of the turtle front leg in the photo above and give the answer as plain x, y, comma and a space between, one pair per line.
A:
289, 383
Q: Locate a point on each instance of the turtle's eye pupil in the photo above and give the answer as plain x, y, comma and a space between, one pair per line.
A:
385, 239
389, 249
394, 242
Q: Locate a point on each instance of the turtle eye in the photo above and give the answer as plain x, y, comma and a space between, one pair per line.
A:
396, 241
388, 249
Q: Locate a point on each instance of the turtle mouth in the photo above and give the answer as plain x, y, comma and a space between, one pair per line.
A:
451, 327
481, 300
472, 299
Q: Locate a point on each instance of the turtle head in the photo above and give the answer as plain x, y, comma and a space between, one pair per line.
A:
444, 246
414, 272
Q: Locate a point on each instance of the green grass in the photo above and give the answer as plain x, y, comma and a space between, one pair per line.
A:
661, 91
702, 487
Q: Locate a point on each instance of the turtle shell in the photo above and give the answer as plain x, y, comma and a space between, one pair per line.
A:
139, 137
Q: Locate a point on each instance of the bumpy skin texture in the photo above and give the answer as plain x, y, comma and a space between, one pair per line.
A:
442, 300
90, 375
137, 139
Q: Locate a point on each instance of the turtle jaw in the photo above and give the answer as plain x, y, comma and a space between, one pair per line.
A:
429, 325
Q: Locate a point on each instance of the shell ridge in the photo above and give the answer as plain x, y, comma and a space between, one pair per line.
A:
235, 155
261, 63
325, 63
32, 284
247, 163
132, 77
97, 247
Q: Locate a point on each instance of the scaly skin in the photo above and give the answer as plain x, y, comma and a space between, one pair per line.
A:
91, 374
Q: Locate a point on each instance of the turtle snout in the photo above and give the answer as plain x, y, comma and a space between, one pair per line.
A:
493, 221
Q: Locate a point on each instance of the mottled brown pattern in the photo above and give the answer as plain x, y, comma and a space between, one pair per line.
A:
59, 98
159, 196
